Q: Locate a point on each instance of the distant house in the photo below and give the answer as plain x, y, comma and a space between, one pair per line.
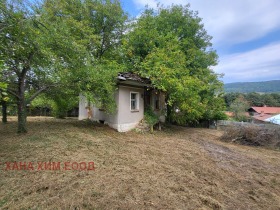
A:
262, 114
254, 110
132, 96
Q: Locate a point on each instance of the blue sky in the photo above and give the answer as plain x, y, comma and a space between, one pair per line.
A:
246, 34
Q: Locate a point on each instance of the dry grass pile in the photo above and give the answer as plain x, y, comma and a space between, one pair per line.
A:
254, 135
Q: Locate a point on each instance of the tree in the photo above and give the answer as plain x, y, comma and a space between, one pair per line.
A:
4, 98
97, 28
21, 52
151, 118
276, 97
230, 97
171, 47
239, 107
58, 42
255, 99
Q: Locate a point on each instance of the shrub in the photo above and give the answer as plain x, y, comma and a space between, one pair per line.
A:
151, 118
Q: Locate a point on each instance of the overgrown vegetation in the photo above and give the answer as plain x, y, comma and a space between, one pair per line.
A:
56, 46
239, 107
60, 45
268, 136
151, 118
253, 99
171, 47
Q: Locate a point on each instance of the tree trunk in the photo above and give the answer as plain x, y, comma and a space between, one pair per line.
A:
151, 128
4, 111
21, 106
21, 116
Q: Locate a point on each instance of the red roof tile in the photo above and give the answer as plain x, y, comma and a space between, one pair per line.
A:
266, 110
262, 117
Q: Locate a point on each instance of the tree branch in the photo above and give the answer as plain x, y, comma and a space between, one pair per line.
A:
13, 93
37, 93
27, 66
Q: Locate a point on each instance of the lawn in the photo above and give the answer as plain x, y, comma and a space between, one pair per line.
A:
177, 168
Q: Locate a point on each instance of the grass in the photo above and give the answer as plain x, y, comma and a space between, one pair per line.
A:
177, 168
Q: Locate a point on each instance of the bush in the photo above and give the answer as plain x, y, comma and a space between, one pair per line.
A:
151, 118
254, 135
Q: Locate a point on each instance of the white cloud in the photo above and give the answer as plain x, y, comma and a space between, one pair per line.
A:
256, 65
229, 21
238, 21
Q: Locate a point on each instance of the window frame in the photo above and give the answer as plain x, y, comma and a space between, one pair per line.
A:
137, 100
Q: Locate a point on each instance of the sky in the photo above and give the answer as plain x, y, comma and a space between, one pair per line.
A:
246, 34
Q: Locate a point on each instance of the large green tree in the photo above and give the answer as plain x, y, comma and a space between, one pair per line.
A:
22, 53
60, 44
97, 28
171, 47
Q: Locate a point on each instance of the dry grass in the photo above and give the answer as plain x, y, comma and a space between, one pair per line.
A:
177, 168
250, 134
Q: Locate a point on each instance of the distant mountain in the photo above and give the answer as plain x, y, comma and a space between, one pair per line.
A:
247, 87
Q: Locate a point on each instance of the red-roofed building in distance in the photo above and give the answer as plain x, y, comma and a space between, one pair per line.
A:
260, 114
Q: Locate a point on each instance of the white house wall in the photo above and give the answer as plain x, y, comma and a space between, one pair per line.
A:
124, 119
128, 119
111, 119
83, 112
96, 114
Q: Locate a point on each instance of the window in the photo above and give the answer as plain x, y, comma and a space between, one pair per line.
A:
134, 101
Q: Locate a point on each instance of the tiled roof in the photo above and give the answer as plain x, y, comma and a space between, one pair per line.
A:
262, 117
133, 76
266, 109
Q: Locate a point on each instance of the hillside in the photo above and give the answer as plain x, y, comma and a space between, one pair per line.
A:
177, 168
247, 87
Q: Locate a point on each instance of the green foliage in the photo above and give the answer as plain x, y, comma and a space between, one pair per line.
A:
220, 116
3, 91
239, 108
58, 102
151, 118
171, 47
60, 46
254, 99
97, 28
247, 87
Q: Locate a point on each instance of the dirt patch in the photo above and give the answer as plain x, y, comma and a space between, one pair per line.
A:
177, 168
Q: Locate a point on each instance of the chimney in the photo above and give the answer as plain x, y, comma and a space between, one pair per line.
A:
262, 113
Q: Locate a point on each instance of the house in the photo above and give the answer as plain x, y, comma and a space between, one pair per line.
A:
262, 114
132, 96
254, 110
